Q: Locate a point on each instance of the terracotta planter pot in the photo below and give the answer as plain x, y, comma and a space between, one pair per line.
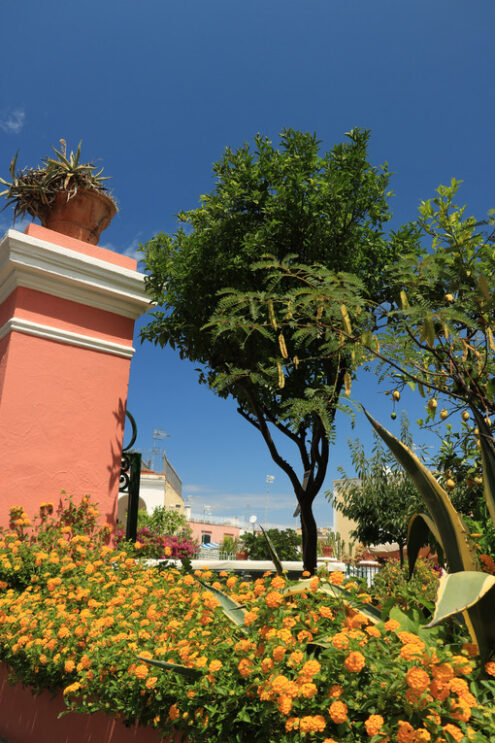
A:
327, 551
84, 216
241, 555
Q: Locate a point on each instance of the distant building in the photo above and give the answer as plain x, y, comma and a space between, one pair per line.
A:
213, 529
342, 524
156, 489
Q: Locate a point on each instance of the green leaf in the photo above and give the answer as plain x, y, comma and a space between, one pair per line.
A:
409, 622
273, 553
459, 554
461, 591
303, 586
235, 612
420, 525
450, 528
193, 673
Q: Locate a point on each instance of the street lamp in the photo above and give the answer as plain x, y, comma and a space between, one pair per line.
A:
269, 480
252, 521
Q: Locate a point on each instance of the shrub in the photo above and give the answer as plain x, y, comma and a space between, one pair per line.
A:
301, 662
392, 587
286, 542
152, 545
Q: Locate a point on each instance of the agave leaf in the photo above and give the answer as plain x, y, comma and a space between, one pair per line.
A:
460, 591
183, 670
74, 157
458, 552
273, 553
62, 160
369, 611
12, 165
420, 524
235, 612
337, 592
316, 646
488, 461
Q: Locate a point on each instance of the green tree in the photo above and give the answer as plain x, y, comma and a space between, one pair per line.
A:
286, 543
384, 497
327, 208
165, 522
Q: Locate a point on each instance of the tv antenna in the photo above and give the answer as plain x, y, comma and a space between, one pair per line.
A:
157, 451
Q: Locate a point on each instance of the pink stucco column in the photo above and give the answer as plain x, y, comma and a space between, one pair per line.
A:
67, 312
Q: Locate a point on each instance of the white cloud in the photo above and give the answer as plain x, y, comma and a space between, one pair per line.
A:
196, 489
12, 122
20, 225
242, 505
131, 251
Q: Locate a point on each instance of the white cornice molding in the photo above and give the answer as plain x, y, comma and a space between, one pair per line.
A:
65, 336
37, 264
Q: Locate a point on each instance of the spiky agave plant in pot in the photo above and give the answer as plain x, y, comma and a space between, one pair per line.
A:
64, 194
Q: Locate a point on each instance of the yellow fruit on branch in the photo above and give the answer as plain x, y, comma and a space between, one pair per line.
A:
450, 484
396, 395
432, 404
465, 415
444, 414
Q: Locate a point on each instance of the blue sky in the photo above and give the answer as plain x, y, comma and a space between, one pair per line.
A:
156, 90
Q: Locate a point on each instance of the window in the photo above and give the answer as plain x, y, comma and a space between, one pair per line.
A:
205, 537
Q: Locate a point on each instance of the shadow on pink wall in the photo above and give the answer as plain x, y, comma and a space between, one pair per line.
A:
25, 718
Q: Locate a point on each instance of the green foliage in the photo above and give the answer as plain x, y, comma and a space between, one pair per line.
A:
393, 587
434, 332
230, 545
383, 499
449, 530
328, 208
165, 522
342, 550
219, 657
286, 543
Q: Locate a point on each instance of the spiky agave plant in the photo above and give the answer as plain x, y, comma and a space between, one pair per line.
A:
466, 588
32, 190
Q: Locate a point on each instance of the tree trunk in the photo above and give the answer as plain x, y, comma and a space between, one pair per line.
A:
309, 533
401, 554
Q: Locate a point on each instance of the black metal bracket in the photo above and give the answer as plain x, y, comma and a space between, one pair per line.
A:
130, 475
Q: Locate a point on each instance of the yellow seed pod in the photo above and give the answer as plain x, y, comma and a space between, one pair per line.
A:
281, 378
271, 314
396, 395
489, 336
283, 347
319, 313
296, 361
347, 383
346, 319
404, 301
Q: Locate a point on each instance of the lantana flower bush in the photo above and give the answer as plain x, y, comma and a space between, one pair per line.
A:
152, 545
79, 616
